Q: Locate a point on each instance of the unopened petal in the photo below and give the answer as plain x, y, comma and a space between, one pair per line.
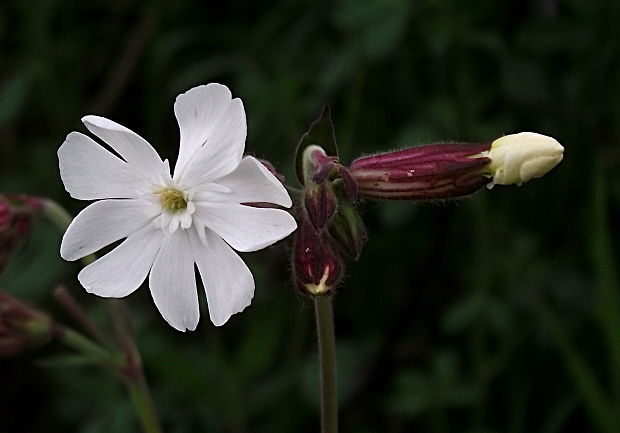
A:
103, 223
246, 228
228, 282
125, 268
89, 172
173, 283
134, 149
517, 158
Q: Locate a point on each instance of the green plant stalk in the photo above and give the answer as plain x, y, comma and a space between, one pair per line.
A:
133, 373
90, 349
58, 216
141, 397
327, 357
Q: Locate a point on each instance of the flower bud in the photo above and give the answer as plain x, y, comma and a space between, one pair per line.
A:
5, 215
517, 158
320, 204
21, 326
16, 215
431, 172
317, 267
317, 165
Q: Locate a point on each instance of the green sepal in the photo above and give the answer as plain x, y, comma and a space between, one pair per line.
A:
321, 133
347, 230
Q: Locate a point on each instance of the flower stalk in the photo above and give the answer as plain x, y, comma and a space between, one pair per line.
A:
327, 358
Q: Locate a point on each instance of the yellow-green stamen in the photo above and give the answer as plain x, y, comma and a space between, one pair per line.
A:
172, 200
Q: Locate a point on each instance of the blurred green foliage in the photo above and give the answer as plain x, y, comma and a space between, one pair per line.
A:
499, 313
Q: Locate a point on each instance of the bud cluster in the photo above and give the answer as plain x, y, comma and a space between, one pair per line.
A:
328, 223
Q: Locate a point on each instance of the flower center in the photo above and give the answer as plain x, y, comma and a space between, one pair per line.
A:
172, 200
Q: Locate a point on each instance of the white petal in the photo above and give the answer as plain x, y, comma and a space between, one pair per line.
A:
125, 268
173, 282
198, 111
220, 146
246, 228
253, 182
138, 153
89, 172
102, 223
227, 280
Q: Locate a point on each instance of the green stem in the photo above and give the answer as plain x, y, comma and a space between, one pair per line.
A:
133, 371
327, 357
139, 391
56, 214
70, 305
61, 219
92, 350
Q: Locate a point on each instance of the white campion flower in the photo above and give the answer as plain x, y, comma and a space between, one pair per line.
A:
172, 222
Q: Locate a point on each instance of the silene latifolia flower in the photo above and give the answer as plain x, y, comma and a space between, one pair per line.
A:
172, 222
450, 170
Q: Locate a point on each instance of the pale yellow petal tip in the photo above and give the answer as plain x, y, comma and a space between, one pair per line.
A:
517, 158
321, 288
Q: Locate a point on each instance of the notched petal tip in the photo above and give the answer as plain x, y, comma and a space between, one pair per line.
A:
204, 90
224, 318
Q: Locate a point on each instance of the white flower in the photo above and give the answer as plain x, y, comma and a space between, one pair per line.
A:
173, 222
517, 158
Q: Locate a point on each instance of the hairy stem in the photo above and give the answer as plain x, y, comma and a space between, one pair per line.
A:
327, 357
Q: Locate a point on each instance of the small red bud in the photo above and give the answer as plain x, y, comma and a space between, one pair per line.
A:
16, 215
317, 267
320, 204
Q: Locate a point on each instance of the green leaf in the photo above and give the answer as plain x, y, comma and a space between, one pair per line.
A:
321, 133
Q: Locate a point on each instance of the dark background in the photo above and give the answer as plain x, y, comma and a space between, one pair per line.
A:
498, 313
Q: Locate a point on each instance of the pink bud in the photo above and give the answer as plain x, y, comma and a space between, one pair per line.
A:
320, 204
5, 214
317, 267
431, 172
21, 326
16, 215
